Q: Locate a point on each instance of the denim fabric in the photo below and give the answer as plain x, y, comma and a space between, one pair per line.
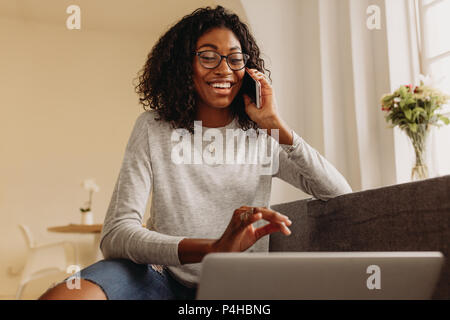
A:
122, 279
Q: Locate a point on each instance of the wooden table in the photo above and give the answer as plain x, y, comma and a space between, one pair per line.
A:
77, 228
85, 229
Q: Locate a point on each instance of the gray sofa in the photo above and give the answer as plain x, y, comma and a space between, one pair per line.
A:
411, 216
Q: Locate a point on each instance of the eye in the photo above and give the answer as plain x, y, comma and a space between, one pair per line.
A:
208, 58
236, 58
208, 55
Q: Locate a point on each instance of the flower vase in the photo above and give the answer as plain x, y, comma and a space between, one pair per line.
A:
419, 143
87, 218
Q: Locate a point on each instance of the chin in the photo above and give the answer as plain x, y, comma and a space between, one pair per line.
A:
221, 104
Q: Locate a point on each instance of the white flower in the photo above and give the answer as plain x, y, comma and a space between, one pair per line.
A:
397, 99
90, 185
395, 105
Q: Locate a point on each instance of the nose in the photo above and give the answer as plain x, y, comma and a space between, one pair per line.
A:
223, 68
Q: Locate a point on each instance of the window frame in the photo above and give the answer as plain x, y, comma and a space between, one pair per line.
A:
425, 61
421, 31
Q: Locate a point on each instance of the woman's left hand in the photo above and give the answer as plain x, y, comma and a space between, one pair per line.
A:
268, 111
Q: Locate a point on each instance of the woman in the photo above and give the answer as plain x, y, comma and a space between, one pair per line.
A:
195, 73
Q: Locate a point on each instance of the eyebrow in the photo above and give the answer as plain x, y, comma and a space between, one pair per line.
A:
215, 47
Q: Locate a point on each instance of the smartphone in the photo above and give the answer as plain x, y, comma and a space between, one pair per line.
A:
252, 88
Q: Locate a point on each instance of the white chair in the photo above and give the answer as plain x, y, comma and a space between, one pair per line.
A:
43, 259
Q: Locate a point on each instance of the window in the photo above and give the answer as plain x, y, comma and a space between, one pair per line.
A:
433, 28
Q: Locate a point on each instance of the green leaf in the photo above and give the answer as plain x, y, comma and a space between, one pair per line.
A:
402, 91
387, 98
419, 109
444, 120
407, 114
410, 100
412, 127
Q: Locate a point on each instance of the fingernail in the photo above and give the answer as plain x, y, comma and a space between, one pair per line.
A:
286, 228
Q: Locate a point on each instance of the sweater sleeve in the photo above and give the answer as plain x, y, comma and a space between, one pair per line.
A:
303, 167
123, 235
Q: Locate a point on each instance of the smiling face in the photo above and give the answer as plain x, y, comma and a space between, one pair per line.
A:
216, 88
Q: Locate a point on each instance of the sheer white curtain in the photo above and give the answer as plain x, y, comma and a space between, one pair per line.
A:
336, 71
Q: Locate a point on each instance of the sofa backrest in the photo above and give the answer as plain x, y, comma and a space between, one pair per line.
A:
411, 216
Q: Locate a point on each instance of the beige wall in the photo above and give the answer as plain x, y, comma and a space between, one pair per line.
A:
67, 109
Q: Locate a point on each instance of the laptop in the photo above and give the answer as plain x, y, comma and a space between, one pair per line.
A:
319, 275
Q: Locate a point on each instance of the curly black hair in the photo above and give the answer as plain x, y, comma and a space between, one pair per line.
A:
165, 83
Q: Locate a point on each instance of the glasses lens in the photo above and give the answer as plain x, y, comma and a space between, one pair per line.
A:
209, 59
237, 61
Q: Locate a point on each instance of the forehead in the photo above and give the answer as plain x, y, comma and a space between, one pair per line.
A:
222, 38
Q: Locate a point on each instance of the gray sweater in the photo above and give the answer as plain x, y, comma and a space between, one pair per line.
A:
197, 199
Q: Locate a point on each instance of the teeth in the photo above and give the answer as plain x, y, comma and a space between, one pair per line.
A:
221, 85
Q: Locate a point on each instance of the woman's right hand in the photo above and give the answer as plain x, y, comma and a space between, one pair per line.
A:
241, 234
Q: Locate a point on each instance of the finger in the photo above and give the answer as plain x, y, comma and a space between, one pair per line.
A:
252, 219
245, 213
281, 224
265, 230
261, 77
285, 229
281, 227
273, 216
268, 229
266, 87
248, 215
269, 215
246, 208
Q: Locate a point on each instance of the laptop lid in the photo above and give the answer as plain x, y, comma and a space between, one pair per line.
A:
319, 275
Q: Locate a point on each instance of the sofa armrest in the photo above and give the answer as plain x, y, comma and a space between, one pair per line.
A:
411, 216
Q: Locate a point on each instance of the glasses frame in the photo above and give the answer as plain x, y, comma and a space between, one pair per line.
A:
246, 57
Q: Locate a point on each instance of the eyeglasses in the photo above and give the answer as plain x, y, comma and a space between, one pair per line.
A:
211, 59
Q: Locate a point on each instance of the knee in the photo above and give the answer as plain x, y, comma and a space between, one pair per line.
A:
86, 291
